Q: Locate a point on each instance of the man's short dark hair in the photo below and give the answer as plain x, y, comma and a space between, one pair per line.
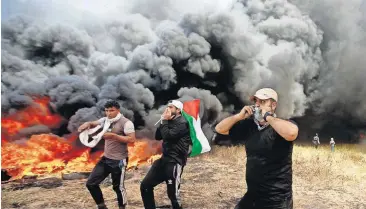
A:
111, 103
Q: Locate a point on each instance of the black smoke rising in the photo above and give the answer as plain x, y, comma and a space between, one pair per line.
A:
337, 92
70, 93
220, 53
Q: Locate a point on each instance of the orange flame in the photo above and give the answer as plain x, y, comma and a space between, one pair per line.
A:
35, 114
143, 152
42, 154
46, 154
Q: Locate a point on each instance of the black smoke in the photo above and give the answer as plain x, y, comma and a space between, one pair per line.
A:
144, 55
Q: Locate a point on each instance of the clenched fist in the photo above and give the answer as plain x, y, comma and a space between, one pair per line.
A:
109, 135
245, 113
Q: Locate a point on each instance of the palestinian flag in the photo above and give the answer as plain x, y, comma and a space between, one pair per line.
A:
191, 112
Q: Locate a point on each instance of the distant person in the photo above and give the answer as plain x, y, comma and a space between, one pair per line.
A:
316, 141
268, 143
332, 144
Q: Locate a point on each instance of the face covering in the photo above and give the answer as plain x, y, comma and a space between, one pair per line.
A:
258, 114
258, 118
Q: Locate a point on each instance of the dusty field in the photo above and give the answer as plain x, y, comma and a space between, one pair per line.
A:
216, 180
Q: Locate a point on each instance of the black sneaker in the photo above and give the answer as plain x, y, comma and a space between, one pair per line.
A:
102, 206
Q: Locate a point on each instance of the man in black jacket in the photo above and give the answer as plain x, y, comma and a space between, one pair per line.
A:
174, 131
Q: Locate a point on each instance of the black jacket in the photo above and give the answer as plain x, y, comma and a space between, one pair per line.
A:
176, 140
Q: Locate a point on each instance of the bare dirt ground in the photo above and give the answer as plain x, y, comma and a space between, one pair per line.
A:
217, 180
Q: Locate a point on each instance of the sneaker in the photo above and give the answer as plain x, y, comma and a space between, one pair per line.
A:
102, 206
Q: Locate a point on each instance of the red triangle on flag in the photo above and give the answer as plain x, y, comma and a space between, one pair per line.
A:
192, 108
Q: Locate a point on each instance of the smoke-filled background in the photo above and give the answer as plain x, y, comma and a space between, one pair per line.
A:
146, 52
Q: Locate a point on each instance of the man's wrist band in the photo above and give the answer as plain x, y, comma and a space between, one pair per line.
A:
266, 115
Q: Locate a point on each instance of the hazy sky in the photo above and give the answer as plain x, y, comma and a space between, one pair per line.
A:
80, 9
57, 10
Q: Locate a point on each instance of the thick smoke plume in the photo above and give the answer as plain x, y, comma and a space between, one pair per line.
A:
143, 54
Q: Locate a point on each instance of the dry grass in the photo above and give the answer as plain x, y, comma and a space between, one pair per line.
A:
329, 180
217, 180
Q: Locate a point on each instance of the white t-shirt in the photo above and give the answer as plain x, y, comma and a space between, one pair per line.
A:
129, 127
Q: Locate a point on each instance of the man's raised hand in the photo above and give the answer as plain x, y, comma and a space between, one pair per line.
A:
84, 126
245, 113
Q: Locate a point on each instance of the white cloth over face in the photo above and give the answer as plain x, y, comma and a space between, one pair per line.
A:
261, 127
84, 136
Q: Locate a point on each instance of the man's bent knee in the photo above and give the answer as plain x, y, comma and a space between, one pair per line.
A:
118, 188
90, 185
144, 187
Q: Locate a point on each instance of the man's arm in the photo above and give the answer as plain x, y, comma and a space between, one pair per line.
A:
284, 128
174, 132
129, 138
128, 129
158, 134
89, 124
225, 125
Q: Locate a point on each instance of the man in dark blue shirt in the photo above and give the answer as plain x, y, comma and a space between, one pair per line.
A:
268, 143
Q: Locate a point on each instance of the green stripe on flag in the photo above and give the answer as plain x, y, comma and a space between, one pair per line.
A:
196, 145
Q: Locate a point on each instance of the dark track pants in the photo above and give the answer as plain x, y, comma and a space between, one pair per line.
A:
251, 202
104, 167
162, 171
